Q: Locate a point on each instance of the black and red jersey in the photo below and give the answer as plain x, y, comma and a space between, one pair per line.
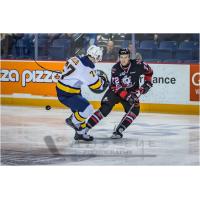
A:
128, 78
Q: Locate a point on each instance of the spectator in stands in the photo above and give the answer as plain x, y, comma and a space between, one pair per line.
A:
52, 37
72, 43
18, 44
104, 37
142, 37
6, 45
18, 36
131, 49
88, 40
9, 43
173, 37
110, 53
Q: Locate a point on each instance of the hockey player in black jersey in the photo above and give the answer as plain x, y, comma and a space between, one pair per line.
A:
124, 89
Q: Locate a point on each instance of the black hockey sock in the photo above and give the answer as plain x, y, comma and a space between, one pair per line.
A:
94, 119
126, 122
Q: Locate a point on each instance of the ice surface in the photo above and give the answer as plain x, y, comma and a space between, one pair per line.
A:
35, 136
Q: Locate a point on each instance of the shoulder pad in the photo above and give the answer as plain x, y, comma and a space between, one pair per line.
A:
87, 62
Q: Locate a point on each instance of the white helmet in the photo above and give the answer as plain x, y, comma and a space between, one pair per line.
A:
95, 52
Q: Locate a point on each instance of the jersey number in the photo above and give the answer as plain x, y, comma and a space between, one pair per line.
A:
92, 73
75, 60
69, 69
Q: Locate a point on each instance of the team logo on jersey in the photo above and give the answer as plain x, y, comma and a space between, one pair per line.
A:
126, 81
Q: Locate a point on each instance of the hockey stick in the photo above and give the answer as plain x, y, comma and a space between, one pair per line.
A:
58, 72
76, 38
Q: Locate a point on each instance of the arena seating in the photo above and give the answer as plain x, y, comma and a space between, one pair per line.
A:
156, 51
172, 45
58, 50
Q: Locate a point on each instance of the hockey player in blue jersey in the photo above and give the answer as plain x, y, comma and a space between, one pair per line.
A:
78, 71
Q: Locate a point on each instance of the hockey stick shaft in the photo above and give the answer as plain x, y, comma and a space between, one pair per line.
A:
127, 113
75, 40
46, 68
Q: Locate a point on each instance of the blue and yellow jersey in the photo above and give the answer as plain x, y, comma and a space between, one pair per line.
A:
78, 71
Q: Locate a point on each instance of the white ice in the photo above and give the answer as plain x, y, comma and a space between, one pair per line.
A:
35, 136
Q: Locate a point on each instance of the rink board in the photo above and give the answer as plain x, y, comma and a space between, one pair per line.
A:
145, 107
175, 90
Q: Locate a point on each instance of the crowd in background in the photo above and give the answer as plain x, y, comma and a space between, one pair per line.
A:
152, 47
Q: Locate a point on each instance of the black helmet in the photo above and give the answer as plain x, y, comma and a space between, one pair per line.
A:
124, 51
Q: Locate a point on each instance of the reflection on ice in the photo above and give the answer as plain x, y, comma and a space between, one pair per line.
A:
34, 136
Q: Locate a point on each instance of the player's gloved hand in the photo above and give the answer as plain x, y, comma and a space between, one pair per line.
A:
132, 98
103, 77
139, 92
145, 87
104, 82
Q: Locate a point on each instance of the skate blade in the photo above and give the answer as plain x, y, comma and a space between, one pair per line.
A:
116, 137
83, 141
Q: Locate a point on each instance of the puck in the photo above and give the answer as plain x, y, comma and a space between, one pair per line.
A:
48, 107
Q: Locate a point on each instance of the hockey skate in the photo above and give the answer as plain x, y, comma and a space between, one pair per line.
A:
117, 133
80, 133
83, 137
70, 123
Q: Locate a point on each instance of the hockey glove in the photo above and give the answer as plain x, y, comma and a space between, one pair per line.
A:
132, 98
145, 87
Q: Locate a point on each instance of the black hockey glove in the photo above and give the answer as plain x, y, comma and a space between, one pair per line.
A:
104, 77
132, 98
145, 87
